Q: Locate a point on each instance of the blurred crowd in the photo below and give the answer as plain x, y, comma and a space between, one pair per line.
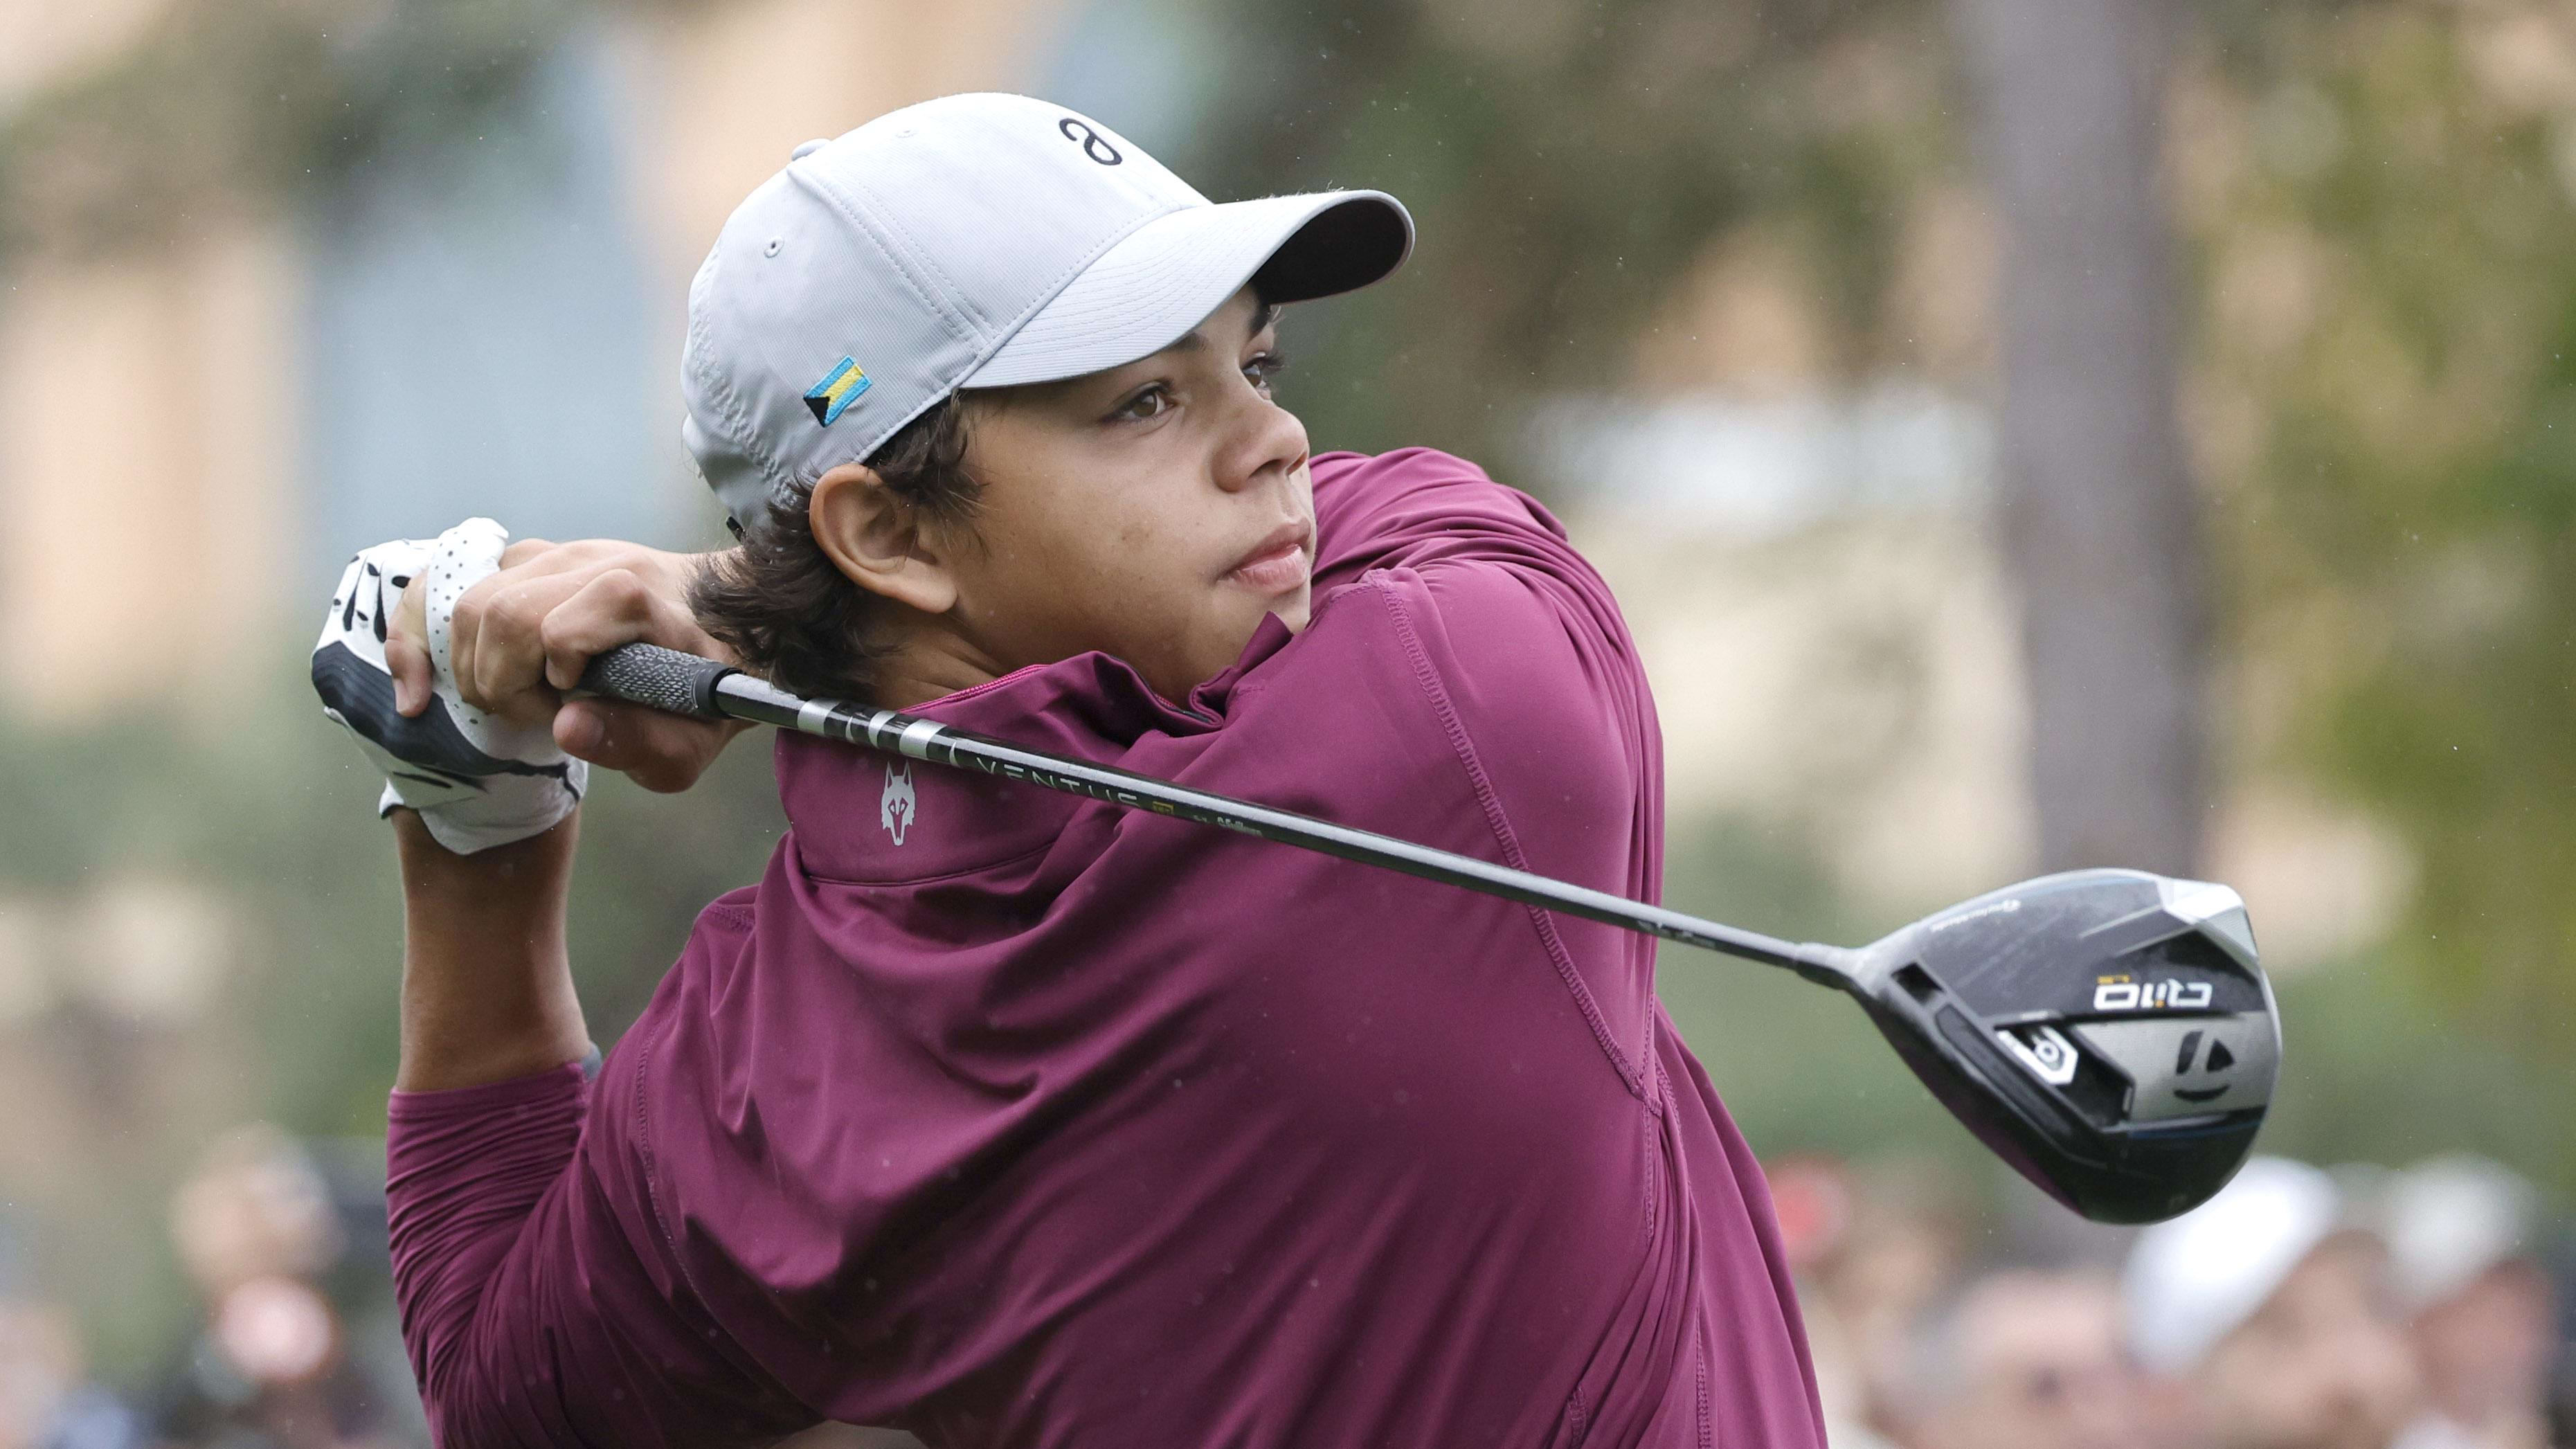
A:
2302, 1308
294, 1345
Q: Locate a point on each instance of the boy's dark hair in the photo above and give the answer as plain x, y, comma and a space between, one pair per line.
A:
782, 606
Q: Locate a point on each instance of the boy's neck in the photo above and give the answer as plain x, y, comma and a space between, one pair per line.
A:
926, 660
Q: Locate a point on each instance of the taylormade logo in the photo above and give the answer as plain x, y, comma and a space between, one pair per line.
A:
895, 807
2119, 993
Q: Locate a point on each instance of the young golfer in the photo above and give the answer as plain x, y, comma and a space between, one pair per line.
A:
998, 1115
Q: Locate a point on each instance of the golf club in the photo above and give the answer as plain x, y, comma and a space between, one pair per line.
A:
2109, 1033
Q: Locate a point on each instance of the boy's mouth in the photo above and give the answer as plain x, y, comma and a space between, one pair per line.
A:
1277, 564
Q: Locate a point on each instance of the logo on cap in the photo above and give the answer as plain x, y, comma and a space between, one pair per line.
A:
1094, 145
839, 388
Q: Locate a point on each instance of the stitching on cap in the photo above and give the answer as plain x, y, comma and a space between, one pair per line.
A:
954, 294
1239, 282
1056, 287
746, 439
728, 404
1051, 291
947, 315
831, 197
946, 308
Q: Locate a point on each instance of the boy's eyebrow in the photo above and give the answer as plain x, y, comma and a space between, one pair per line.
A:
1196, 339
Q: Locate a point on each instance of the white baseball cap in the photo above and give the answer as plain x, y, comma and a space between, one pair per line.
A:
2190, 1282
971, 241
2450, 1219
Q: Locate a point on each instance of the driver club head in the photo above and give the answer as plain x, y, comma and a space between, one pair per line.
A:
2107, 1032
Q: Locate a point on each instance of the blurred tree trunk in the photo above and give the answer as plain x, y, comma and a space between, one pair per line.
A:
2100, 522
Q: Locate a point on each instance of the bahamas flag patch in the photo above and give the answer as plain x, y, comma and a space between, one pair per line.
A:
839, 388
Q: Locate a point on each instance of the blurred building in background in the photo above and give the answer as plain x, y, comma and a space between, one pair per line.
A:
191, 458
481, 321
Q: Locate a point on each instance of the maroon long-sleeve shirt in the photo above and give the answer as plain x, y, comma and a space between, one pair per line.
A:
1015, 1119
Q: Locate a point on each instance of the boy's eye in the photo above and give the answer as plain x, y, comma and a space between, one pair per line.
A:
1147, 404
1264, 367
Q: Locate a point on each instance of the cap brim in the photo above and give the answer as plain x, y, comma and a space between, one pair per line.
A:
1162, 279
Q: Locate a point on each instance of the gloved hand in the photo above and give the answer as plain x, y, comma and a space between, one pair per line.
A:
477, 780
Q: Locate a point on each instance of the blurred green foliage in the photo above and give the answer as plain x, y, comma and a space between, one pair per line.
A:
2380, 199
272, 810
1565, 165
231, 104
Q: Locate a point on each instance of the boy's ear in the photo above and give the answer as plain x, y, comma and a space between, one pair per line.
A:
878, 541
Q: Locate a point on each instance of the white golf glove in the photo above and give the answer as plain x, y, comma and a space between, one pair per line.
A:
476, 780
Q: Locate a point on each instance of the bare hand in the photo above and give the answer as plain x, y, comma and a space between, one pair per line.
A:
522, 637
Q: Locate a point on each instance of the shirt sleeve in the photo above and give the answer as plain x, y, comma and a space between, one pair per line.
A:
1420, 507
529, 1314
1469, 594
1529, 642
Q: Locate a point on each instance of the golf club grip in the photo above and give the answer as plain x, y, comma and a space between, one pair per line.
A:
664, 679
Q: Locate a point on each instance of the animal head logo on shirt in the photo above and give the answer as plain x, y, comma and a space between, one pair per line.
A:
895, 808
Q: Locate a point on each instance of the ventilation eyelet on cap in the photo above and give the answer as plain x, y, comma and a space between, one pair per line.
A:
771, 250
